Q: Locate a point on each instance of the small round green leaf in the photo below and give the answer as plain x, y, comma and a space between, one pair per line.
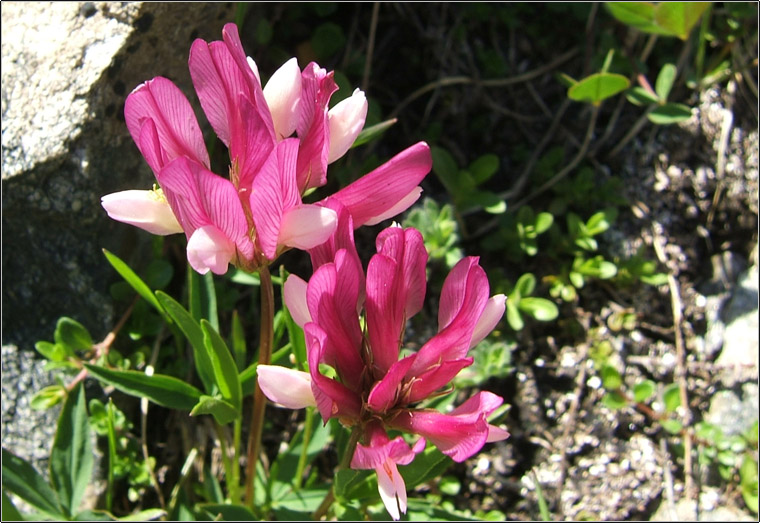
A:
539, 309
672, 425
614, 400
670, 113
72, 335
598, 87
643, 390
671, 396
665, 80
611, 378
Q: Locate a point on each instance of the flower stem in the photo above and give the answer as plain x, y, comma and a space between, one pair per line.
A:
345, 462
259, 401
307, 430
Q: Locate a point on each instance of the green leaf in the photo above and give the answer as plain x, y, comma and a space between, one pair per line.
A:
665, 80
611, 378
144, 515
72, 458
513, 316
678, 18
20, 478
544, 220
166, 391
225, 370
10, 512
672, 425
427, 465
238, 341
671, 396
539, 309
484, 168
134, 280
749, 482
72, 335
326, 40
371, 133
525, 285
446, 169
53, 351
636, 14
614, 400
643, 390
192, 331
654, 279
355, 485
227, 512
598, 87
450, 485
48, 397
601, 221
637, 95
248, 379
223, 411
670, 113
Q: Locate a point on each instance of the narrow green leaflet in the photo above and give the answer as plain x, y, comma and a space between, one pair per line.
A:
238, 341
370, 133
665, 80
636, 14
192, 330
598, 87
223, 512
223, 411
539, 309
134, 280
225, 370
427, 465
355, 485
72, 458
10, 512
166, 391
20, 478
670, 113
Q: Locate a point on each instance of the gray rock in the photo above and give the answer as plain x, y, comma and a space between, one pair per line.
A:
27, 433
66, 71
732, 413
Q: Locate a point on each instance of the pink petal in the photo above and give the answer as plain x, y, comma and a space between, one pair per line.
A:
464, 294
202, 198
345, 122
436, 378
408, 248
272, 194
294, 294
316, 89
491, 315
177, 127
307, 226
208, 248
374, 194
285, 387
333, 398
402, 205
148, 210
385, 314
385, 394
283, 95
391, 485
332, 295
457, 436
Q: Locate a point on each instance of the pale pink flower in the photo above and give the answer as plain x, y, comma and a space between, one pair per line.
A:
254, 215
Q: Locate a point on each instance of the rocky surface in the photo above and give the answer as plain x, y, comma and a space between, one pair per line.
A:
67, 68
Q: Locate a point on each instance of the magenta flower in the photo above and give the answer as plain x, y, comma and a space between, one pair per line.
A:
375, 387
251, 217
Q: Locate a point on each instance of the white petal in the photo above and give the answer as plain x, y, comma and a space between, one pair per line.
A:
148, 210
208, 248
285, 387
387, 488
307, 226
492, 313
294, 293
346, 121
283, 95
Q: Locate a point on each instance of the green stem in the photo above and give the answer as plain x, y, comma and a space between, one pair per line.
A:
308, 427
237, 428
259, 400
345, 462
232, 488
